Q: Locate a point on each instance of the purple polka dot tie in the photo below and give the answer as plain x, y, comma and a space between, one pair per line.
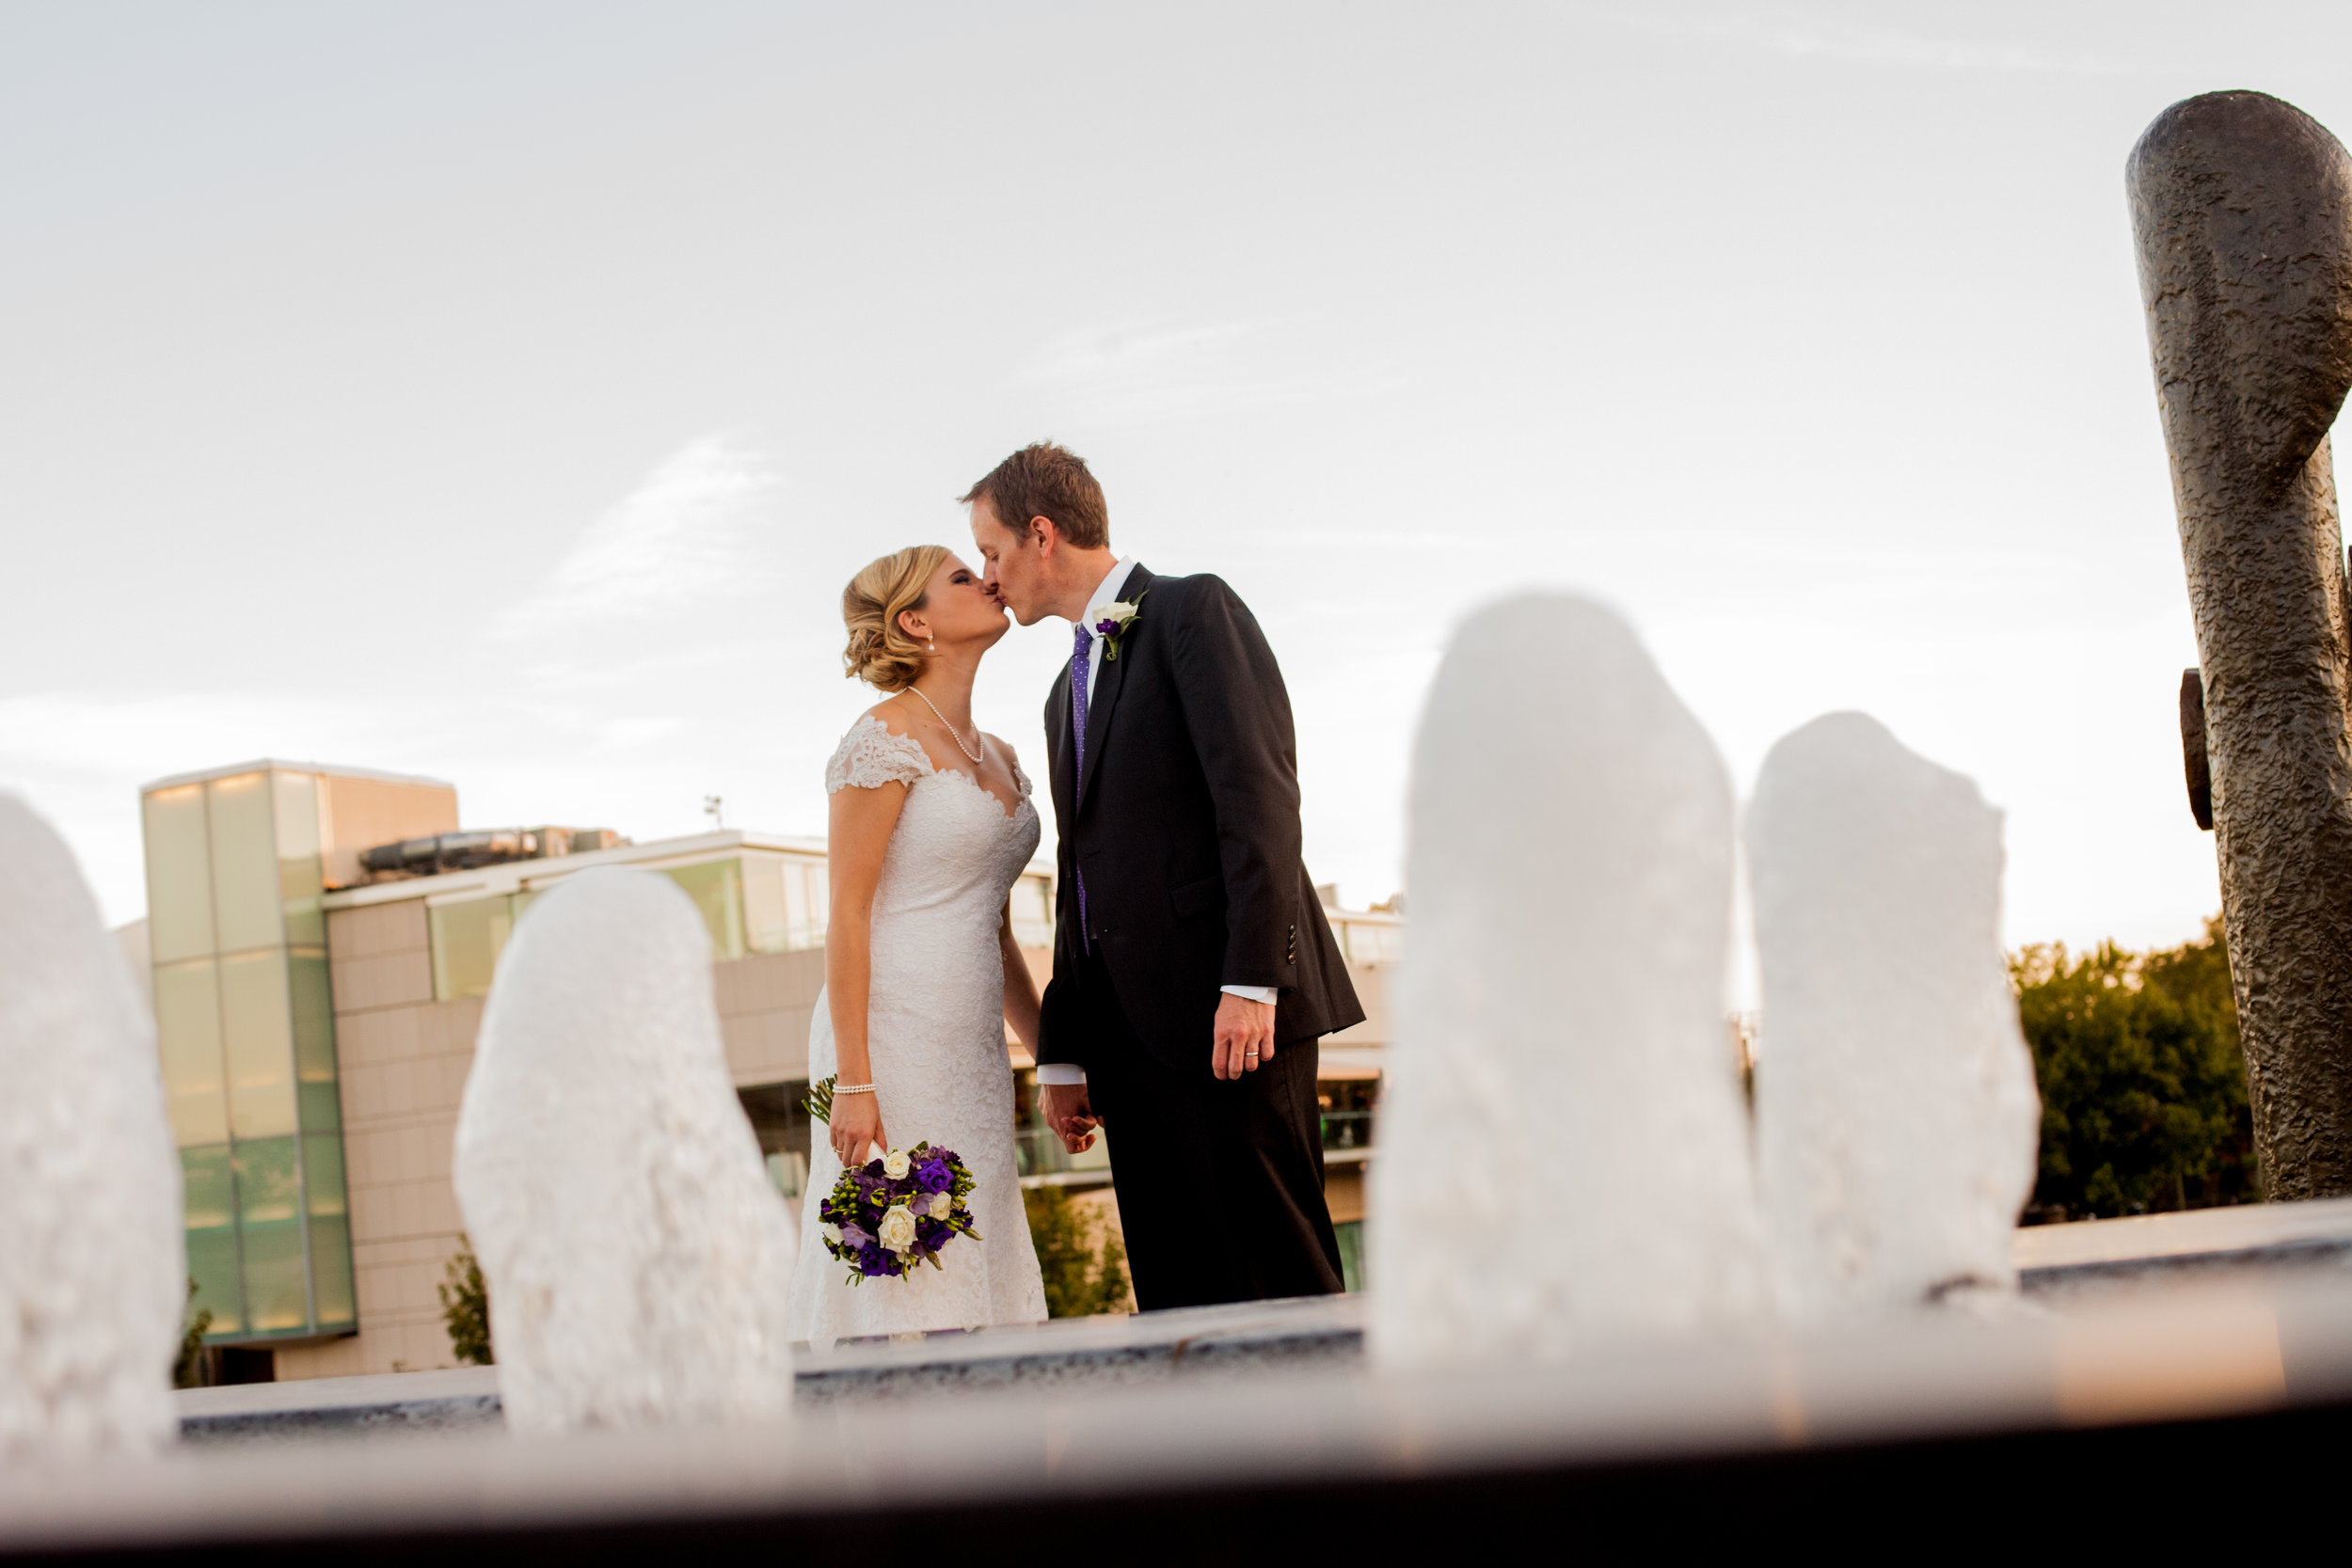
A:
1080, 644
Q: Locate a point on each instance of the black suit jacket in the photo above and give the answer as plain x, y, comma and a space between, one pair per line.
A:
1186, 822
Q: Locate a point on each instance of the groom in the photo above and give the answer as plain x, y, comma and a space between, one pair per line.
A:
1193, 968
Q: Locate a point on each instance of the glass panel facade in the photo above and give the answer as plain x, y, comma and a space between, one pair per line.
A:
331, 1272
467, 939
767, 922
319, 1101
814, 904
323, 1175
269, 1227
717, 888
179, 875
245, 1029
246, 909
187, 1033
213, 1236
301, 874
257, 1025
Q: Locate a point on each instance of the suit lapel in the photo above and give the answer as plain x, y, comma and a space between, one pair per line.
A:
1110, 682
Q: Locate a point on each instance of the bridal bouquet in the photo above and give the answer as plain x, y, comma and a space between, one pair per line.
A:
889, 1216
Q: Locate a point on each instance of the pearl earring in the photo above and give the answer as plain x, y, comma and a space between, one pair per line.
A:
935, 647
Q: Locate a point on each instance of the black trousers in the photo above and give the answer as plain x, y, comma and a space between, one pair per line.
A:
1220, 1182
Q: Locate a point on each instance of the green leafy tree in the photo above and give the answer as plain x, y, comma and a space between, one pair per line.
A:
190, 1370
2143, 1082
1081, 1279
465, 1306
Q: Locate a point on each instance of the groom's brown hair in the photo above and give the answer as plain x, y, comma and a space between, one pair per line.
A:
1043, 480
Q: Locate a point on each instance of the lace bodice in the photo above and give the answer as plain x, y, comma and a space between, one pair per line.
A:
935, 1036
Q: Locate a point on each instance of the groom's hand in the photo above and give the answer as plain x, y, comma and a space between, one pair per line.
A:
1071, 1115
1244, 1036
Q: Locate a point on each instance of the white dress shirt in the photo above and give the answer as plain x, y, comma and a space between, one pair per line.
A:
1106, 593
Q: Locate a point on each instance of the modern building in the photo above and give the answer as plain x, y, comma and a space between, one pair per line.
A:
321, 941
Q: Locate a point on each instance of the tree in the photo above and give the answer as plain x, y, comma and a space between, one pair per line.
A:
465, 1306
2143, 1084
189, 1372
1081, 1280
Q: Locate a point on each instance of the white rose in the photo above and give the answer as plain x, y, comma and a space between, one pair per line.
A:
898, 1228
833, 1232
1121, 611
895, 1164
943, 1204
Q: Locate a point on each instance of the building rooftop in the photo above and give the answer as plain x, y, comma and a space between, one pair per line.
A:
258, 765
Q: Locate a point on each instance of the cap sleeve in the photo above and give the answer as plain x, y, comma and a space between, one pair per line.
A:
869, 756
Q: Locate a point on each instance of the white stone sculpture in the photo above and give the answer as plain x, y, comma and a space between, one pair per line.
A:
636, 1255
1897, 1118
1564, 1156
93, 1267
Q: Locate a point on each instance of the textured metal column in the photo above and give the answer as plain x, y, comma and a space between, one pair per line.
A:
2241, 206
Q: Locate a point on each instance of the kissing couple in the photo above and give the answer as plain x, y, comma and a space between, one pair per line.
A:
1193, 969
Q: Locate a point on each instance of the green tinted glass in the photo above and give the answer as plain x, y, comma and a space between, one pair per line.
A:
257, 1028
323, 1173
209, 1198
467, 941
269, 1189
716, 887
298, 865
314, 1016
187, 1036
330, 1270
213, 1264
318, 1106
179, 874
277, 1296
246, 906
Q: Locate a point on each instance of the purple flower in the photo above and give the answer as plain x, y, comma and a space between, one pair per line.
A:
1107, 627
931, 1234
856, 1238
934, 1176
873, 1260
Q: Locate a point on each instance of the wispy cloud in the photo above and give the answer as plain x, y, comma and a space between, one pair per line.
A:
1142, 372
677, 539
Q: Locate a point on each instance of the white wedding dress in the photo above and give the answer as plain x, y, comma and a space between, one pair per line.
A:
936, 1039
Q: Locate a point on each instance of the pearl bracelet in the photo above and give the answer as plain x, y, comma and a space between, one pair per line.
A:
854, 1089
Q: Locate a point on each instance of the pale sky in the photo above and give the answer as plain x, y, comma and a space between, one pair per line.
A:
505, 391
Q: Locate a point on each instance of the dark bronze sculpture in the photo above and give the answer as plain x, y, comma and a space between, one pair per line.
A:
2241, 206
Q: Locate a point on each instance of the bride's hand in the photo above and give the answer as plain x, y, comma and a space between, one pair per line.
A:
856, 1127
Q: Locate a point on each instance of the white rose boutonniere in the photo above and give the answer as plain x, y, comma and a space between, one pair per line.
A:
897, 1230
1115, 621
895, 1164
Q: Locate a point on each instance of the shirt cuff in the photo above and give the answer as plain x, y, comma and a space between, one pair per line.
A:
1061, 1073
1267, 994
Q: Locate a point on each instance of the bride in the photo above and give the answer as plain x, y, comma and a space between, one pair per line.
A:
931, 824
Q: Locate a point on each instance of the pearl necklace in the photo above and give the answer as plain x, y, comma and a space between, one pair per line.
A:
967, 750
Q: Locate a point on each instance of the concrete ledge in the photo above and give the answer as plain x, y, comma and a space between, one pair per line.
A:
1813, 1436
2060, 1260
2056, 1264
1108, 1351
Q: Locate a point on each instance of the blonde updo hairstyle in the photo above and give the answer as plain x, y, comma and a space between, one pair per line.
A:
880, 653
